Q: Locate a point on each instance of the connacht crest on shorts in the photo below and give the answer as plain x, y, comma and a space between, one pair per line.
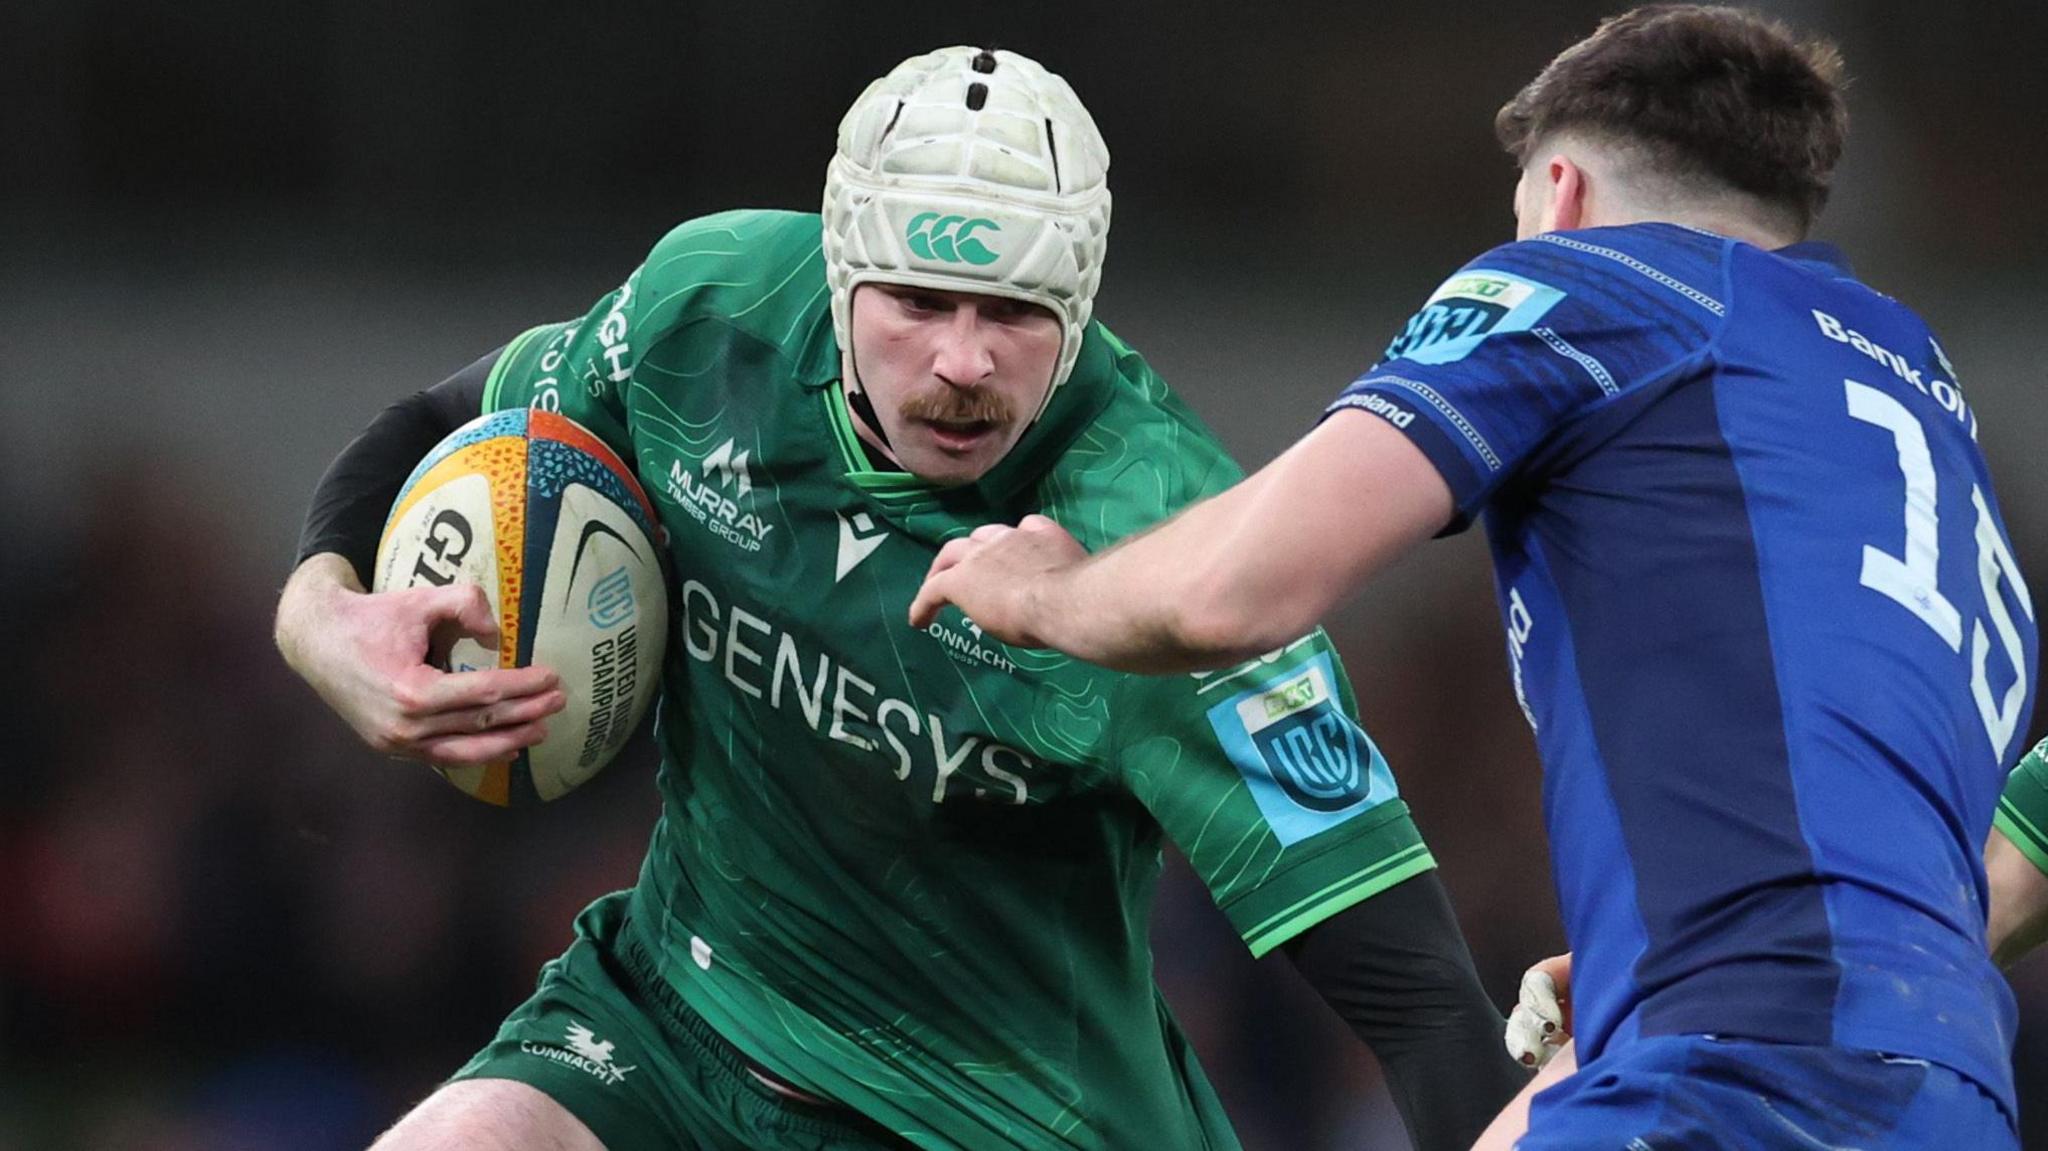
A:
1308, 765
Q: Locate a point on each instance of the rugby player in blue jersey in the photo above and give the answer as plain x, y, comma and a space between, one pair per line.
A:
1763, 613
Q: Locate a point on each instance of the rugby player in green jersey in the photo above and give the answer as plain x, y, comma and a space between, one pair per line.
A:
899, 893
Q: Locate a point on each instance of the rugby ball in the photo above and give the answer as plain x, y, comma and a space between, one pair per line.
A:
549, 521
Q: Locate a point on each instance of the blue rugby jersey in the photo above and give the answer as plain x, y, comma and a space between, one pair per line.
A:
1763, 616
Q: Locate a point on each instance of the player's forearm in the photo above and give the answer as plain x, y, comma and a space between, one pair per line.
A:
2019, 901
1257, 566
308, 598
1177, 598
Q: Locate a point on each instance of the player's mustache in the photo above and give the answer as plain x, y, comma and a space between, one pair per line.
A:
960, 406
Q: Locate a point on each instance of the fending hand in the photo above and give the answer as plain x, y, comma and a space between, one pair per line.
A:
997, 577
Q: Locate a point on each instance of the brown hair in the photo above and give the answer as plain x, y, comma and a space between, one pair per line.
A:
1697, 91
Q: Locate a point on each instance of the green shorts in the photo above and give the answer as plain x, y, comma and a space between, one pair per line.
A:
605, 1037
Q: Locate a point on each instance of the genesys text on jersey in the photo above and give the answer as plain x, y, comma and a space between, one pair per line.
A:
1947, 393
764, 662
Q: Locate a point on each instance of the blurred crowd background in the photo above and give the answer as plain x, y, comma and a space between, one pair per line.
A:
230, 232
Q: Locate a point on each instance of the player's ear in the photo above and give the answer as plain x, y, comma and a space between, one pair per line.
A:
1567, 207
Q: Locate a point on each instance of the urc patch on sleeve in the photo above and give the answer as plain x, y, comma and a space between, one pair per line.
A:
1471, 306
1309, 766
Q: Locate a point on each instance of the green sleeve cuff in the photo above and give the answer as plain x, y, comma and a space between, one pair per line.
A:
2023, 810
2029, 842
1350, 871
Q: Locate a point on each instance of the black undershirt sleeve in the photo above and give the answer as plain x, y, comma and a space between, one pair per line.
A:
354, 497
1396, 969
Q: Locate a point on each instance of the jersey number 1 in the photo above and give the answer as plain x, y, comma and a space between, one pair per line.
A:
1912, 580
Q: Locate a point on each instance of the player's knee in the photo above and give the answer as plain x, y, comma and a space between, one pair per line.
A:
488, 1115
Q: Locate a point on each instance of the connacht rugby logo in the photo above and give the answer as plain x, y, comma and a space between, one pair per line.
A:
950, 239
584, 1052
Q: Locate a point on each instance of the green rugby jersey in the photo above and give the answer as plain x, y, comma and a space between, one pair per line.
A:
2023, 809
910, 870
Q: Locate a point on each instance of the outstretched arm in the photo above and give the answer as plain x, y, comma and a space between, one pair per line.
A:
1227, 579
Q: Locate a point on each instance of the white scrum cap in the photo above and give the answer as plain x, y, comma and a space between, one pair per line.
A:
970, 170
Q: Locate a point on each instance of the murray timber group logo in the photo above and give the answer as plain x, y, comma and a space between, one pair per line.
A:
584, 1052
729, 468
950, 239
720, 494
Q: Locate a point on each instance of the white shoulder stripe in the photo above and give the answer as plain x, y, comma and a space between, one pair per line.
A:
1593, 367
1435, 399
1631, 263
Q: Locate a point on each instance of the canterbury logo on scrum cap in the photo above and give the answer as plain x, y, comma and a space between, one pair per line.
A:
950, 239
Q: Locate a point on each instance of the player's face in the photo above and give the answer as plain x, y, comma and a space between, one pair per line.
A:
955, 377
